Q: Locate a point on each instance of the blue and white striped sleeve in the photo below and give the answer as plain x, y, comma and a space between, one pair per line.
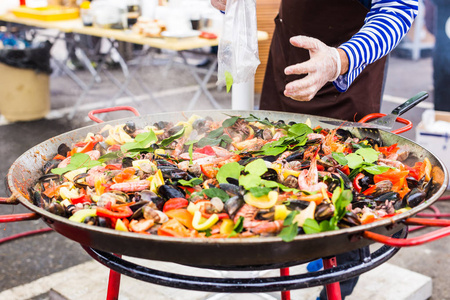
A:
384, 26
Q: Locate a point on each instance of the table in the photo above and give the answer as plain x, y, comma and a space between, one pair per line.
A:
242, 94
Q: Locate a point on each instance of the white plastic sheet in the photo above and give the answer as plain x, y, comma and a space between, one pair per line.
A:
238, 46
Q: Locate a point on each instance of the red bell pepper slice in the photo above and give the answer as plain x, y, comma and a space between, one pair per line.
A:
121, 213
90, 145
82, 199
175, 203
345, 169
59, 157
208, 150
356, 183
209, 170
388, 150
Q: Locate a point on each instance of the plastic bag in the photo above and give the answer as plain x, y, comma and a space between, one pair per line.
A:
37, 59
238, 55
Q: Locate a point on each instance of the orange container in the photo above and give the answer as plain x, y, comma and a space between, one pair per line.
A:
48, 13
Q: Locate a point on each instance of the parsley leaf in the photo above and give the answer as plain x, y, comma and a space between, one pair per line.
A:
232, 170
289, 231
193, 182
215, 192
141, 141
169, 140
340, 158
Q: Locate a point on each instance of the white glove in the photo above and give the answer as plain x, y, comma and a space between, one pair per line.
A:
219, 4
324, 65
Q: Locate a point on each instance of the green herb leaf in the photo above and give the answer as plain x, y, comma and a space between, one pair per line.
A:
376, 169
259, 191
299, 129
215, 192
77, 161
232, 170
340, 158
193, 182
289, 231
169, 140
370, 155
230, 121
354, 160
110, 156
311, 226
141, 141
328, 225
249, 181
238, 227
257, 167
228, 80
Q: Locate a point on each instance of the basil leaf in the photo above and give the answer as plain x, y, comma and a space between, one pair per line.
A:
193, 182
370, 155
249, 181
376, 169
300, 129
230, 121
311, 226
77, 161
232, 170
141, 141
110, 156
169, 140
328, 225
274, 150
257, 167
354, 160
215, 192
207, 141
290, 230
340, 158
259, 191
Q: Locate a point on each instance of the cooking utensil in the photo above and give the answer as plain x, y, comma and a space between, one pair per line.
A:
223, 253
386, 122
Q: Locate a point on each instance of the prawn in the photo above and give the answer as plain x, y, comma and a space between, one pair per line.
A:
248, 212
131, 186
308, 180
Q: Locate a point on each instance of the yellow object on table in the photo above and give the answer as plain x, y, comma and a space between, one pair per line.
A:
48, 13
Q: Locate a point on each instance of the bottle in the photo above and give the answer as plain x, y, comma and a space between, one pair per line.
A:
133, 11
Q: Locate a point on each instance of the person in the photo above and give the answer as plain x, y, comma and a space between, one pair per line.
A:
327, 58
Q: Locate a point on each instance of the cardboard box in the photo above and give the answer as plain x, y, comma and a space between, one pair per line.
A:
25, 94
436, 140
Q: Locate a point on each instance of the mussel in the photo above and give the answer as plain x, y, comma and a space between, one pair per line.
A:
350, 219
129, 127
63, 149
149, 196
50, 165
169, 191
418, 194
324, 211
266, 214
297, 204
297, 155
270, 174
80, 180
233, 205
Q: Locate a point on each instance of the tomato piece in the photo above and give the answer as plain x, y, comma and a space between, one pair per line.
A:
208, 150
82, 199
59, 157
122, 212
345, 169
175, 203
52, 192
182, 215
209, 170
398, 179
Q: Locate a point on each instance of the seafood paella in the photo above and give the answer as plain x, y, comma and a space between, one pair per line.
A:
240, 177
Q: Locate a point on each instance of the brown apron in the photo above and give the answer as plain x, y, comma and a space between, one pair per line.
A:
333, 22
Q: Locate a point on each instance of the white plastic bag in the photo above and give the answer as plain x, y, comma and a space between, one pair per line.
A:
238, 46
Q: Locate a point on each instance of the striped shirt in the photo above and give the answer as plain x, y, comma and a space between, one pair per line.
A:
384, 26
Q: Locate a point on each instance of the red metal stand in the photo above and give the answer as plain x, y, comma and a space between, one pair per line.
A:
285, 295
333, 289
113, 285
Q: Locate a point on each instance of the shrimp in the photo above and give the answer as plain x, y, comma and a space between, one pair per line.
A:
94, 155
179, 147
248, 212
308, 180
131, 186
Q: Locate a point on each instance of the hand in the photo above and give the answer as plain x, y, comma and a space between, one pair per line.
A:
219, 4
325, 64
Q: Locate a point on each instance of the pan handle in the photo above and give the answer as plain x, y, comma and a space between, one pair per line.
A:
13, 200
415, 241
408, 123
110, 109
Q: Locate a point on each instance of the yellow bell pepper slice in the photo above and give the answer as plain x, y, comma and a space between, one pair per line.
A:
266, 201
281, 212
120, 225
199, 223
227, 226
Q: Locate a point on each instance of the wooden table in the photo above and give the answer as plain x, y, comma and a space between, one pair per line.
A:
242, 95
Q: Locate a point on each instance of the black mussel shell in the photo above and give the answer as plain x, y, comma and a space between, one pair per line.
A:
173, 173
361, 203
344, 134
79, 180
324, 211
127, 162
231, 189
271, 174
175, 129
57, 209
350, 219
129, 127
161, 125
149, 196
266, 214
297, 155
372, 142
164, 163
412, 182
313, 142
233, 205
390, 196
50, 165
232, 180
415, 197
39, 199
297, 204
347, 182
63, 149
169, 191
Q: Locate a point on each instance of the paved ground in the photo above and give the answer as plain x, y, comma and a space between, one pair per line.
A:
28, 259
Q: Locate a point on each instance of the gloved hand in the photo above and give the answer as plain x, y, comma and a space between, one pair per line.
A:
324, 65
219, 4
